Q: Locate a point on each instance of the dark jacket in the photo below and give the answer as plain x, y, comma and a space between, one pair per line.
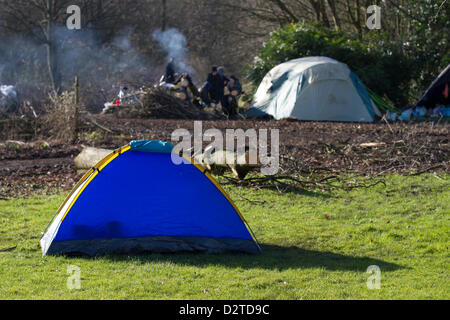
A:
236, 87
170, 73
216, 88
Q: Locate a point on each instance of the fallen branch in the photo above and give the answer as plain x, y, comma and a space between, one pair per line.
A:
426, 170
100, 126
251, 201
291, 183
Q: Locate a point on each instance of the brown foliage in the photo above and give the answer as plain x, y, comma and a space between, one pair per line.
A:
61, 119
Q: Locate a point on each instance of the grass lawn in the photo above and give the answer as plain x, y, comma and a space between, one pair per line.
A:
316, 246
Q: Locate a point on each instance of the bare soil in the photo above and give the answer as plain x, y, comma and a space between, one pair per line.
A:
46, 166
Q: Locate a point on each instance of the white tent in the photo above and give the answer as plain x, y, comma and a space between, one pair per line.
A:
314, 89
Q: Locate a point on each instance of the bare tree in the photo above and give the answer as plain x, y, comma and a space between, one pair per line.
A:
40, 20
37, 19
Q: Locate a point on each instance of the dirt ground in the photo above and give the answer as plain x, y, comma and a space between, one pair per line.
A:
366, 149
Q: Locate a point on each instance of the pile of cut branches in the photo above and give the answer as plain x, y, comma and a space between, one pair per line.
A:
159, 104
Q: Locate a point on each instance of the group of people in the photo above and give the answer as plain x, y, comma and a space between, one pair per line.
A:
218, 88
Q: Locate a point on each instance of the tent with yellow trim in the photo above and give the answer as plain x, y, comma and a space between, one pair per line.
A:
140, 199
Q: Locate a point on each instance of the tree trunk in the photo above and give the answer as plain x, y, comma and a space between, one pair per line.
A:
316, 7
51, 45
334, 14
358, 19
164, 15
283, 7
52, 61
355, 18
323, 10
76, 110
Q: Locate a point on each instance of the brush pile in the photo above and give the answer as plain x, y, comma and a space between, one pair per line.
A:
156, 103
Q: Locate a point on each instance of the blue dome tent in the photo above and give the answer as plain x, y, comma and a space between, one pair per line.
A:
137, 200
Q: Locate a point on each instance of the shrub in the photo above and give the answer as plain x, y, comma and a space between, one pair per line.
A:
380, 64
62, 117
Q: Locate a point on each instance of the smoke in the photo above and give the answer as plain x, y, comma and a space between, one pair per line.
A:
117, 59
98, 64
174, 43
2, 67
102, 66
85, 54
123, 41
23, 63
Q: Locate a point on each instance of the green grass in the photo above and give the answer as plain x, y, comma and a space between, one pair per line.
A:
316, 246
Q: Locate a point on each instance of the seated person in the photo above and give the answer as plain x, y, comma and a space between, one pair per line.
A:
230, 100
